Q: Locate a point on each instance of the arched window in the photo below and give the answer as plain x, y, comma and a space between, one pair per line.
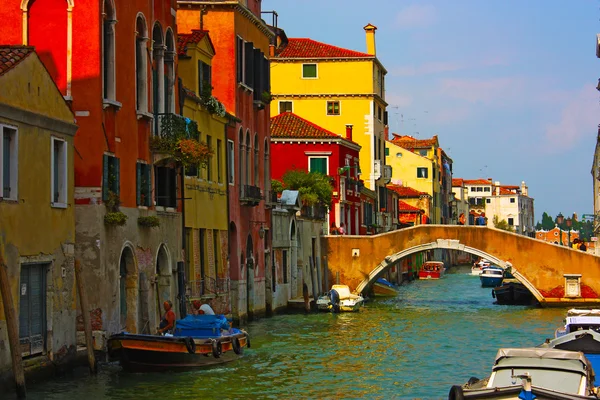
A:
248, 158
256, 160
169, 72
109, 19
241, 162
141, 64
158, 70
266, 168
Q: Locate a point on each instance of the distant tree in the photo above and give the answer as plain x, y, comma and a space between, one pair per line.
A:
547, 221
586, 231
538, 226
502, 224
313, 187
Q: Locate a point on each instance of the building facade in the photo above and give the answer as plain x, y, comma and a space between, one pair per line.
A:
512, 204
37, 212
240, 71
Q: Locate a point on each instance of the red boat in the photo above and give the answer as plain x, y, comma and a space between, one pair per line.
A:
432, 270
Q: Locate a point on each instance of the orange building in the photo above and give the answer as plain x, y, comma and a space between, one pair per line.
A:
241, 67
114, 62
557, 236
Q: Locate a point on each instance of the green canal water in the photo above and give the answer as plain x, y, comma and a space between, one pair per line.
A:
433, 335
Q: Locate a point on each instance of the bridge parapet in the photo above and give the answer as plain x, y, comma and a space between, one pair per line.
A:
556, 275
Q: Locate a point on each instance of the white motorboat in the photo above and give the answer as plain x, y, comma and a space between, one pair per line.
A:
478, 267
343, 300
580, 319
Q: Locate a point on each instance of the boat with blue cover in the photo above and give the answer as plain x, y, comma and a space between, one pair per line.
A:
197, 341
382, 287
491, 276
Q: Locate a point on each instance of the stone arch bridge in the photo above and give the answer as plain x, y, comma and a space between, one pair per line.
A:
555, 275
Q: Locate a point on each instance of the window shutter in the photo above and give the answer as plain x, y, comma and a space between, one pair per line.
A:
172, 185
148, 183
200, 78
118, 175
206, 74
104, 177
267, 74
138, 186
258, 67
249, 49
240, 59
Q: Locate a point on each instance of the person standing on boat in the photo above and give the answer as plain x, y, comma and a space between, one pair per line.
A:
206, 309
167, 324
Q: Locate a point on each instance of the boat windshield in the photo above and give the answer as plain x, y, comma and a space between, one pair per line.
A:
560, 381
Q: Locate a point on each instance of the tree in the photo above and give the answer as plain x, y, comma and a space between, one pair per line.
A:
547, 221
502, 224
313, 187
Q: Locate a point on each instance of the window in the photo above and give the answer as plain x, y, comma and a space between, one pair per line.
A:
379, 113
249, 64
256, 160
241, 153
423, 153
266, 169
9, 165
240, 59
59, 175
488, 201
472, 189
387, 151
141, 78
512, 199
511, 221
479, 189
318, 164
216, 251
219, 157
143, 185
166, 187
309, 71
209, 163
204, 79
110, 176
486, 189
333, 108
422, 172
108, 50
231, 162
367, 214
285, 106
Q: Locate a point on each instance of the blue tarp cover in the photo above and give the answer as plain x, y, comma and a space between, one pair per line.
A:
203, 322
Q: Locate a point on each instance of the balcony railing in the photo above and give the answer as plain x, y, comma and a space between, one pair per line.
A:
271, 198
175, 127
208, 286
251, 194
316, 211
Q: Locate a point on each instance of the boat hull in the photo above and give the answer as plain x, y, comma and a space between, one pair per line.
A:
430, 274
384, 290
512, 293
145, 353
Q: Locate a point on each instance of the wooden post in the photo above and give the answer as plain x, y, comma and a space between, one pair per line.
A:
85, 312
13, 331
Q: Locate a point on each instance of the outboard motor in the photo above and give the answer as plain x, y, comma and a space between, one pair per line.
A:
334, 298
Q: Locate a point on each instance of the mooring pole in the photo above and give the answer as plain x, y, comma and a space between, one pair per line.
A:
13, 331
85, 312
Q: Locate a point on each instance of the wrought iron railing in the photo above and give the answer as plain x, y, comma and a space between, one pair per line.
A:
251, 193
174, 127
208, 286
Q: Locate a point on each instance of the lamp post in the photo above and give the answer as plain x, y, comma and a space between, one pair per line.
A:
559, 220
569, 223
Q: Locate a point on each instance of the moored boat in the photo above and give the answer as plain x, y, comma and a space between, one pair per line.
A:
432, 270
491, 276
579, 319
529, 373
479, 266
382, 287
512, 292
198, 341
343, 300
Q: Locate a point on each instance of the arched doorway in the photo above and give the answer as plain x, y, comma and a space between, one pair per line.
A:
250, 267
294, 260
163, 281
128, 291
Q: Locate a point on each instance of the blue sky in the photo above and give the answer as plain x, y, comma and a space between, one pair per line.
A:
508, 86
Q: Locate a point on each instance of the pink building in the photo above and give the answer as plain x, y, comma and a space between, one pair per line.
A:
299, 144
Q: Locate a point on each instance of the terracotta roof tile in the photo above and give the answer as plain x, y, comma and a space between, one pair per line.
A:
477, 182
195, 37
457, 181
402, 206
409, 142
405, 191
191, 94
288, 125
12, 55
308, 48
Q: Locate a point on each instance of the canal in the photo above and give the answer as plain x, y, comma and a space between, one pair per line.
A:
433, 335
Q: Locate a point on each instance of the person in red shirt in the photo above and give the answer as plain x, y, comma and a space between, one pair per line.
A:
167, 324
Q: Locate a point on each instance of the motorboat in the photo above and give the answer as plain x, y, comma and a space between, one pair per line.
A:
579, 319
197, 341
491, 276
382, 287
342, 300
479, 266
528, 373
512, 292
432, 270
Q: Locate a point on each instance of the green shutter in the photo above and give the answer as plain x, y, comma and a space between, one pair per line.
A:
318, 165
148, 184
387, 151
200, 70
104, 177
117, 176
138, 184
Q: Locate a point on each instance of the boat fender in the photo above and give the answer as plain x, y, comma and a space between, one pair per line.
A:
216, 349
456, 393
237, 348
190, 345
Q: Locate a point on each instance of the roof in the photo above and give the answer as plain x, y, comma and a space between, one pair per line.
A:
10, 56
191, 94
409, 142
477, 182
288, 125
405, 207
308, 48
458, 182
183, 39
405, 191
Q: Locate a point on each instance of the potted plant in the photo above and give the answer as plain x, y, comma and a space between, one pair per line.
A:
151, 221
113, 215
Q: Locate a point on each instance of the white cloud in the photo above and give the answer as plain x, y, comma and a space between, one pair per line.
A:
416, 16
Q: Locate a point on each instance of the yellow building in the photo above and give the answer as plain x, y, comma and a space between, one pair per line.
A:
335, 87
415, 164
206, 217
37, 221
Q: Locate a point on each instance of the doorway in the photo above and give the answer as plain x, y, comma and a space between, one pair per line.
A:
32, 309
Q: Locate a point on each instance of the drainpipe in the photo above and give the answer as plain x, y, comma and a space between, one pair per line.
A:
181, 267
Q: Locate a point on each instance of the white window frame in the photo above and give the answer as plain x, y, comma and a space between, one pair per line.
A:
316, 68
14, 163
63, 174
339, 108
284, 101
325, 156
231, 162
423, 177
109, 49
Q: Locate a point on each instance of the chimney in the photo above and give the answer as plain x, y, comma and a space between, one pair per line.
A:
271, 50
370, 33
497, 183
524, 189
349, 132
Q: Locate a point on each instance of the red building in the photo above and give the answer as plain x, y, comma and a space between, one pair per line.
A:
299, 144
240, 71
114, 62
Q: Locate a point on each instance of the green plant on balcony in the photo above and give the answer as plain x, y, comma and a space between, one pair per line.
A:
210, 102
277, 186
113, 215
266, 97
151, 221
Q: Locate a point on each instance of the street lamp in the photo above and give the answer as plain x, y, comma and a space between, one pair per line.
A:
569, 223
559, 220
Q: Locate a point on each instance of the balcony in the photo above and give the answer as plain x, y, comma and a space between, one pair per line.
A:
175, 127
317, 212
251, 195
